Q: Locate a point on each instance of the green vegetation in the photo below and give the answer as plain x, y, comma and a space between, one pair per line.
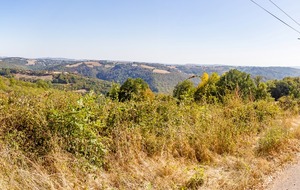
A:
226, 133
119, 71
76, 83
62, 81
215, 88
131, 89
184, 90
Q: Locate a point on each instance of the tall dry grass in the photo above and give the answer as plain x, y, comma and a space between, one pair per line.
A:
59, 140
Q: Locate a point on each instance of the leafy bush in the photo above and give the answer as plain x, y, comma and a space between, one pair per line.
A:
24, 124
289, 103
135, 89
77, 128
184, 90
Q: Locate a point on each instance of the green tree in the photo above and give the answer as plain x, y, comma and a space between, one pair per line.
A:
114, 91
134, 89
261, 89
184, 90
43, 84
5, 72
207, 90
294, 86
279, 89
238, 82
204, 80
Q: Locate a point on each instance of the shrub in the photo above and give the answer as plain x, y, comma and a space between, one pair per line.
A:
24, 125
76, 128
289, 103
273, 139
135, 89
184, 90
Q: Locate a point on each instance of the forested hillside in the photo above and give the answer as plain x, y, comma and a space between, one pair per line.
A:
227, 132
161, 77
59, 80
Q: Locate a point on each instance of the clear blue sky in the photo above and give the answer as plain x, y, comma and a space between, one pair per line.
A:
234, 32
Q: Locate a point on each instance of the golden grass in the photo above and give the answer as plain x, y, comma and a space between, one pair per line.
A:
34, 77
157, 144
160, 71
147, 67
92, 64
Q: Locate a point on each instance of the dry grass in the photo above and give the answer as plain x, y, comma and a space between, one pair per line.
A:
157, 144
63, 171
92, 64
147, 67
82, 91
34, 77
160, 71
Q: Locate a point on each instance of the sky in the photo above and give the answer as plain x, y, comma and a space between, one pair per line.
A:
230, 32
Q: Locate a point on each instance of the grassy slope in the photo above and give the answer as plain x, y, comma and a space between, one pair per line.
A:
60, 140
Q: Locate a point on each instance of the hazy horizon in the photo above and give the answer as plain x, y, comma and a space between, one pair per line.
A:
236, 33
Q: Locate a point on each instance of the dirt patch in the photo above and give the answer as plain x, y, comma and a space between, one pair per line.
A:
160, 71
83, 91
92, 64
31, 62
34, 77
56, 72
147, 67
108, 66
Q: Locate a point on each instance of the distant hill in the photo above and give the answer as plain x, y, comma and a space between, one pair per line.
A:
267, 73
160, 77
59, 80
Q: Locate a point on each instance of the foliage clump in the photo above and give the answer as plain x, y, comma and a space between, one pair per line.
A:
131, 89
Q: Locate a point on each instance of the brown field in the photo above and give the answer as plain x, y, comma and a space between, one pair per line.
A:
147, 67
108, 66
45, 77
92, 64
160, 71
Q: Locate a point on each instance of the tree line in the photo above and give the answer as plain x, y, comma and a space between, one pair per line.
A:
214, 88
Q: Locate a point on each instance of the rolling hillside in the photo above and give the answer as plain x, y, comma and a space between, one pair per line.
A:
161, 77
